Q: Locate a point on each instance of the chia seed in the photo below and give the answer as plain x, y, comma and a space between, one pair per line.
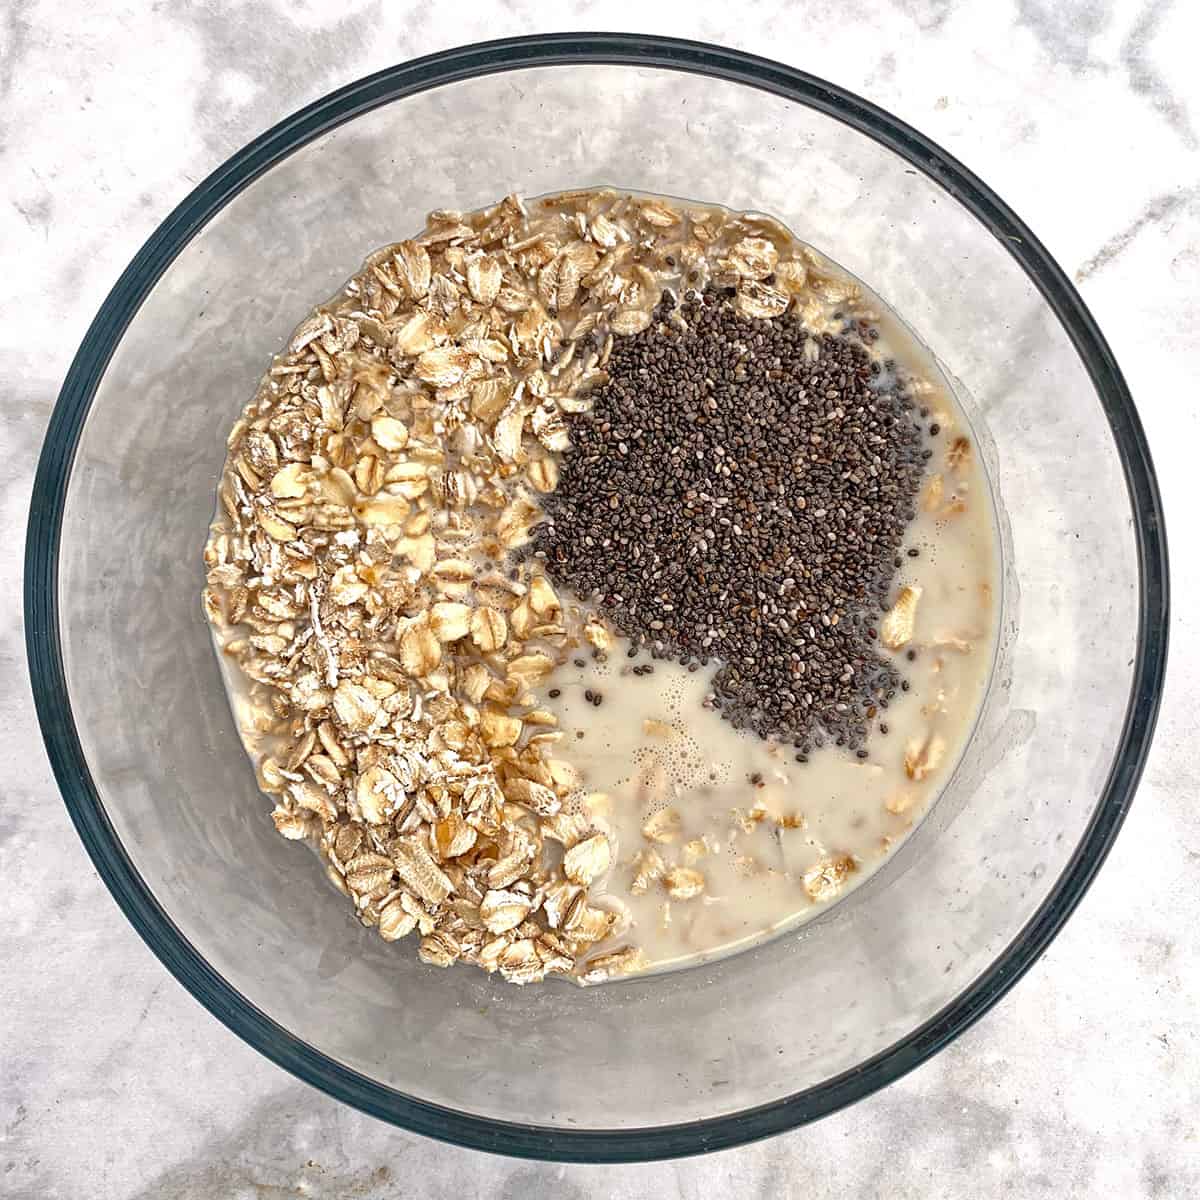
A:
733, 495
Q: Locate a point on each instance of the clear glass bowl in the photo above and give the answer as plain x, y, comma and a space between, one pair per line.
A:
141, 737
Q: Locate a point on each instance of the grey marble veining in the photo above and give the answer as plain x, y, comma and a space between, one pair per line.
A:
115, 1084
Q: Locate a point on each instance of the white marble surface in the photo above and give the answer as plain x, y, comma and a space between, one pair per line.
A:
115, 1084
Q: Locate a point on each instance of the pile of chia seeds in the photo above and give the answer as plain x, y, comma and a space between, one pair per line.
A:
739, 492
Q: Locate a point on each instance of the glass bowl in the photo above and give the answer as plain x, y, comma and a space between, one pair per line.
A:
141, 736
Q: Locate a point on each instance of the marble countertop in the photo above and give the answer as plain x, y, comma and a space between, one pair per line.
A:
1085, 1080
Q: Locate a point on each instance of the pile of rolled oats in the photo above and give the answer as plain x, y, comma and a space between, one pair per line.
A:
360, 579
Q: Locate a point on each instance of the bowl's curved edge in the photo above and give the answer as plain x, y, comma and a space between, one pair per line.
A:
45, 656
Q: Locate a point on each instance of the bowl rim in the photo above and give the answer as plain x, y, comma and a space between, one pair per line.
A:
52, 700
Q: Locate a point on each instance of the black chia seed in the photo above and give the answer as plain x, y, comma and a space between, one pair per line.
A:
732, 495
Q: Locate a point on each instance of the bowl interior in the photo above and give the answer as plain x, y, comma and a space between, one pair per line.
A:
788, 1019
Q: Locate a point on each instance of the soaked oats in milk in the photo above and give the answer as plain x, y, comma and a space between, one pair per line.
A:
602, 583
